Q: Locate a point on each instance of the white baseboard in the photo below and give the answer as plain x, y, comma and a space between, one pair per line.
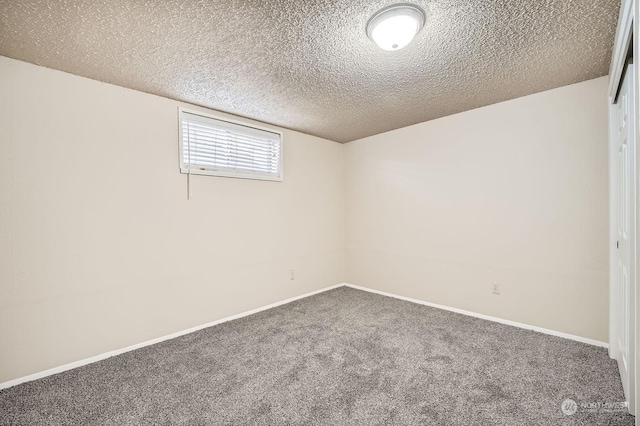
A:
487, 317
109, 354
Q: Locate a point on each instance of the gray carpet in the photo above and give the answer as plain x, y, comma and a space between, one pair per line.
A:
340, 357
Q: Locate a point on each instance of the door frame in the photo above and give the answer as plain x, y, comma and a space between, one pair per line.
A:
626, 39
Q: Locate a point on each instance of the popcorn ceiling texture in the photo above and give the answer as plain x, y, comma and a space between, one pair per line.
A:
308, 65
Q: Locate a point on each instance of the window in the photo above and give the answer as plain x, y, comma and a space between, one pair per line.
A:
210, 146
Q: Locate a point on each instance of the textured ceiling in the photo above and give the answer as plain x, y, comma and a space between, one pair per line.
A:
308, 64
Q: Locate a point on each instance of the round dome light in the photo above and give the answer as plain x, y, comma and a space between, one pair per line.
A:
393, 27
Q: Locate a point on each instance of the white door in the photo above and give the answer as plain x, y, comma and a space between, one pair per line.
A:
622, 303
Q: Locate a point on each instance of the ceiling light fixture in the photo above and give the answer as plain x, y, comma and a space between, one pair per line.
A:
393, 27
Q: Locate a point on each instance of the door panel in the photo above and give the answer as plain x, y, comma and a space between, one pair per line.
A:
623, 238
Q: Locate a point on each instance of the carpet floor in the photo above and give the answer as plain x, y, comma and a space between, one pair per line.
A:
340, 357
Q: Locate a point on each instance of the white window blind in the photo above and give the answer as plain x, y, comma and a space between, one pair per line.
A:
211, 146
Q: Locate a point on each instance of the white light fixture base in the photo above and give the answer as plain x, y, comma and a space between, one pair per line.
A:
393, 27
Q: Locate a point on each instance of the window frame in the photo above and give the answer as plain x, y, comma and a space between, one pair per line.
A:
238, 174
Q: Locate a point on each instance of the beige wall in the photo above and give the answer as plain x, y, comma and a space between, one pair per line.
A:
514, 193
99, 248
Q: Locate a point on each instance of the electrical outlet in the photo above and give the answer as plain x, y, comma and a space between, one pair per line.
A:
292, 275
495, 288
